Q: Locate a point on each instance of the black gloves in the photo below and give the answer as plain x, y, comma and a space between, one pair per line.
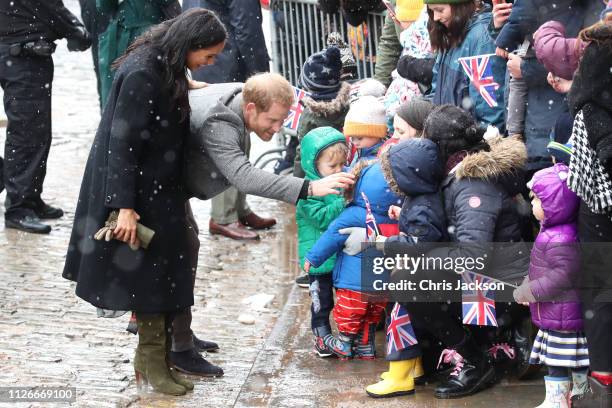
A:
79, 40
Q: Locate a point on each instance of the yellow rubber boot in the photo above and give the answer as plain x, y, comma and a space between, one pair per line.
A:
416, 373
399, 381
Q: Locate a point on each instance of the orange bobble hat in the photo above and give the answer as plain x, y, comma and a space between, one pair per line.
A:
366, 118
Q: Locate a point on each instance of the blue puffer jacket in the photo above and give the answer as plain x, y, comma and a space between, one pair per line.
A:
450, 84
414, 170
366, 153
347, 272
544, 105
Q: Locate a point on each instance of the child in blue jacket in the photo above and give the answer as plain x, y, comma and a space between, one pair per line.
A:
356, 313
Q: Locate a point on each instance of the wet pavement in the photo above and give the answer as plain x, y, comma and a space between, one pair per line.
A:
50, 337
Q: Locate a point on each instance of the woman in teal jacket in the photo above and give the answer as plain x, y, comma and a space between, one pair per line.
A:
130, 19
457, 29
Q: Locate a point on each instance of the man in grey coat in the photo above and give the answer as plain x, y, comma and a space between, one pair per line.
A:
244, 54
222, 118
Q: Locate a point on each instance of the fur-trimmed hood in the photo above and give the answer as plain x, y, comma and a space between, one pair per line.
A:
504, 163
507, 155
336, 106
413, 167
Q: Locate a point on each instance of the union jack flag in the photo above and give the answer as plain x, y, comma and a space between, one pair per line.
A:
400, 334
371, 227
296, 110
478, 305
478, 69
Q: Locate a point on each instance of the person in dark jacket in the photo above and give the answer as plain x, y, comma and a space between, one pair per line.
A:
544, 104
135, 166
28, 31
551, 289
245, 54
414, 172
590, 177
479, 191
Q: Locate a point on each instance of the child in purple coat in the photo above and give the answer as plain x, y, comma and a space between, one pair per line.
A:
551, 289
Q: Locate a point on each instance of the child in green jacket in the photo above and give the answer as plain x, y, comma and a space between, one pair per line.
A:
324, 152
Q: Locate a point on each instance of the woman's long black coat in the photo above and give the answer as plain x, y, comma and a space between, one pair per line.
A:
136, 162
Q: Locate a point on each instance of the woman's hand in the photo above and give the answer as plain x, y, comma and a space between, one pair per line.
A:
514, 66
306, 266
560, 85
329, 184
196, 84
126, 226
394, 212
501, 13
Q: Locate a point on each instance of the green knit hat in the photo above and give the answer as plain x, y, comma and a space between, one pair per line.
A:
446, 1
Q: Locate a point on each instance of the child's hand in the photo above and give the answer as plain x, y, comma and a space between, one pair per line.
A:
394, 212
380, 242
306, 266
524, 303
560, 85
500, 52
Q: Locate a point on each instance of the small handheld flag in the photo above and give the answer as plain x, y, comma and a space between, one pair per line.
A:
296, 110
478, 304
371, 227
478, 69
400, 334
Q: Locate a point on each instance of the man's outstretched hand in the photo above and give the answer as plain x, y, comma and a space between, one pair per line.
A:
331, 184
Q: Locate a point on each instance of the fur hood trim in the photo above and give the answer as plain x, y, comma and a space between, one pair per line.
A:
329, 108
506, 156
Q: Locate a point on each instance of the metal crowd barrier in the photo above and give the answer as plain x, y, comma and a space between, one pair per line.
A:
300, 29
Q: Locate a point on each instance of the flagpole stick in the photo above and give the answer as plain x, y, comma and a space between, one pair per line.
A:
489, 277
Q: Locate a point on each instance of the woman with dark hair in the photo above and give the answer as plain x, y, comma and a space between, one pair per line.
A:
590, 178
458, 29
135, 167
483, 177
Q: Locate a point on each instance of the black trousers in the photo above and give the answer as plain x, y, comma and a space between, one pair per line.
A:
326, 297
596, 285
26, 81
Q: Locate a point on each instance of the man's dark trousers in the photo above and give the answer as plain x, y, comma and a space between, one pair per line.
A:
26, 81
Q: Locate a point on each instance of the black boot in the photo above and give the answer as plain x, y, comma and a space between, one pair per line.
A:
191, 362
204, 345
45, 212
598, 396
522, 337
473, 371
26, 222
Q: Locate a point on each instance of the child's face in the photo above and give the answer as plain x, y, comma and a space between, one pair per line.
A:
329, 164
536, 208
402, 129
363, 142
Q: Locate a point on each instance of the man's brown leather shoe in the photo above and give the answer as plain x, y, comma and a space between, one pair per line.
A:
256, 222
235, 230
